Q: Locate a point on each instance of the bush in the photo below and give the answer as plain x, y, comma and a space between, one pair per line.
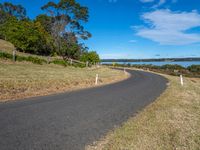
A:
172, 67
194, 68
91, 57
60, 62
6, 55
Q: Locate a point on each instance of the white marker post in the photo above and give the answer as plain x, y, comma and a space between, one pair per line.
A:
96, 81
181, 78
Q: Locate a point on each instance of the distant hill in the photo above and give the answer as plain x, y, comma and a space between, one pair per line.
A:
152, 60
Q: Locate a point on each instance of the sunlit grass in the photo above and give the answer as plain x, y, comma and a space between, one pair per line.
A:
19, 80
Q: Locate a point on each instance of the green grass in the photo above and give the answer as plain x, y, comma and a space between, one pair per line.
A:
172, 122
20, 80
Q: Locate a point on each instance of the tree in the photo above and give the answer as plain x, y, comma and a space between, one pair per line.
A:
92, 57
17, 11
45, 21
67, 16
9, 11
27, 36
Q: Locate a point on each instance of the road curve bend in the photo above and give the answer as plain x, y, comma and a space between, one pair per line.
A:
72, 120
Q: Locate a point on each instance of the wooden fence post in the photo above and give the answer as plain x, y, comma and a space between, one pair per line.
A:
71, 62
86, 63
14, 55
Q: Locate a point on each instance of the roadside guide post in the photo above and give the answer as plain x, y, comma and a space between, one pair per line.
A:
96, 81
181, 79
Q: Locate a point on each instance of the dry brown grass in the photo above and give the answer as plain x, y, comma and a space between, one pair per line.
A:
21, 80
172, 122
6, 46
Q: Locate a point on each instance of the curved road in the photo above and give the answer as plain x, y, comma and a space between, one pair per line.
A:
72, 120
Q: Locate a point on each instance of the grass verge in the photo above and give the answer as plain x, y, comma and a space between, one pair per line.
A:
22, 80
171, 122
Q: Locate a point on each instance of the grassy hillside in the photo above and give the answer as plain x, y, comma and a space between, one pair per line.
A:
171, 122
25, 79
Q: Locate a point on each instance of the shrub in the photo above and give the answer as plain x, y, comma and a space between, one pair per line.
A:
194, 68
5, 55
172, 67
60, 62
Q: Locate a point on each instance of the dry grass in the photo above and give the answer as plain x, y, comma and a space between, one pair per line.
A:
21, 80
172, 122
6, 46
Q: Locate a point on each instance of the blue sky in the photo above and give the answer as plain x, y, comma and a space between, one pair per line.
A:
138, 28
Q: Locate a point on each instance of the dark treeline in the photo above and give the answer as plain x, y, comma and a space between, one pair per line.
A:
56, 32
150, 60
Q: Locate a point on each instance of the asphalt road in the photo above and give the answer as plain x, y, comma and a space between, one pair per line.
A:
72, 120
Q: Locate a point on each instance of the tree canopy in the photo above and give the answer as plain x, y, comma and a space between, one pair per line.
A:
57, 31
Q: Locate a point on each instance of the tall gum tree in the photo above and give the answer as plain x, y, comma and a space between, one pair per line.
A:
67, 19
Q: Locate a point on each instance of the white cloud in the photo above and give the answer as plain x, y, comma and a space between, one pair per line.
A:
168, 28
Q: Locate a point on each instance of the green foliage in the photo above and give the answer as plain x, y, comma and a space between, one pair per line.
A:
27, 36
194, 68
5, 55
45, 21
172, 67
92, 57
176, 70
70, 50
55, 33
60, 62
66, 14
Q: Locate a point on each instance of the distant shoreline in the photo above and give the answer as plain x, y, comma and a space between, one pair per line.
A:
152, 60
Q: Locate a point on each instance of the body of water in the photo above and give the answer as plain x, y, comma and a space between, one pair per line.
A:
182, 63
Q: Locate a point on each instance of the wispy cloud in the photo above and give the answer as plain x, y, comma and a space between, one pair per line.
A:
168, 28
157, 3
161, 2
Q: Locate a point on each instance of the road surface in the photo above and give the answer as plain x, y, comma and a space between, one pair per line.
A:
72, 120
